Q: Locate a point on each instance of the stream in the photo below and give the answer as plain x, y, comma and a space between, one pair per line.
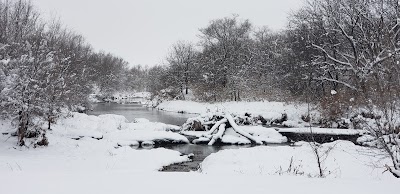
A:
133, 111
200, 153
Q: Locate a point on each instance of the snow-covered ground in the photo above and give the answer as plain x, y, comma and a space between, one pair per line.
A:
100, 166
183, 183
110, 152
116, 128
268, 110
344, 161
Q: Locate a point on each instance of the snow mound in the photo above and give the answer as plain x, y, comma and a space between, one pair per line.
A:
346, 160
116, 128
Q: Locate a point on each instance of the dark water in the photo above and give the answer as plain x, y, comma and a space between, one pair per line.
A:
132, 111
200, 152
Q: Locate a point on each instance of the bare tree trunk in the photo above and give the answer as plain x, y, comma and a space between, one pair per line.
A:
22, 128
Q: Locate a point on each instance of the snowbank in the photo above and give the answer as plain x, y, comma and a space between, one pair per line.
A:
86, 155
90, 143
116, 128
268, 110
346, 160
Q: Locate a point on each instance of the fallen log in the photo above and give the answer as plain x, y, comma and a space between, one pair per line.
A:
219, 134
213, 135
241, 132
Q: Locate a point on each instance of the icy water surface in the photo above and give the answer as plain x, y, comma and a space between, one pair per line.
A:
132, 111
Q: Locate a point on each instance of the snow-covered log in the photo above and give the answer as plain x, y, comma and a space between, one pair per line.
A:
222, 130
219, 134
216, 125
241, 132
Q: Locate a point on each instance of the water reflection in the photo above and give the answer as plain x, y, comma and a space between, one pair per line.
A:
132, 111
200, 153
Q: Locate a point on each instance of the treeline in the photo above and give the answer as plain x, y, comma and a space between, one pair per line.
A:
337, 52
46, 68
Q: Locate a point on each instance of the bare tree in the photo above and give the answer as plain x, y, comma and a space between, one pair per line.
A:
181, 61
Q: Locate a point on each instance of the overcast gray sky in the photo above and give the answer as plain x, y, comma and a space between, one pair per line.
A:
142, 31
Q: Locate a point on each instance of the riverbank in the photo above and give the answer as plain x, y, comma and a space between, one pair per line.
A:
340, 159
267, 110
83, 142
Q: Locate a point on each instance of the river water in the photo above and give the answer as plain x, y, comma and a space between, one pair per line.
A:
200, 152
133, 111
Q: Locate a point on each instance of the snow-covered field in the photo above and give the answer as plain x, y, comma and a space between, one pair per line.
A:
100, 166
116, 128
345, 161
65, 153
268, 110
183, 183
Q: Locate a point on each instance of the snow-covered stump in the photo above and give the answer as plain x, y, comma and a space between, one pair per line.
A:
212, 137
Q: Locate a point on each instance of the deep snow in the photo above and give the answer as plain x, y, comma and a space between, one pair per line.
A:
116, 128
64, 153
96, 166
183, 183
345, 160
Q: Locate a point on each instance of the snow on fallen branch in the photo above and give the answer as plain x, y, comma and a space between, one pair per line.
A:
395, 173
216, 125
219, 134
241, 132
221, 126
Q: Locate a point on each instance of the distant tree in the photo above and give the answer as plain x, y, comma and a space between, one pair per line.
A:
226, 44
110, 71
136, 78
181, 61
